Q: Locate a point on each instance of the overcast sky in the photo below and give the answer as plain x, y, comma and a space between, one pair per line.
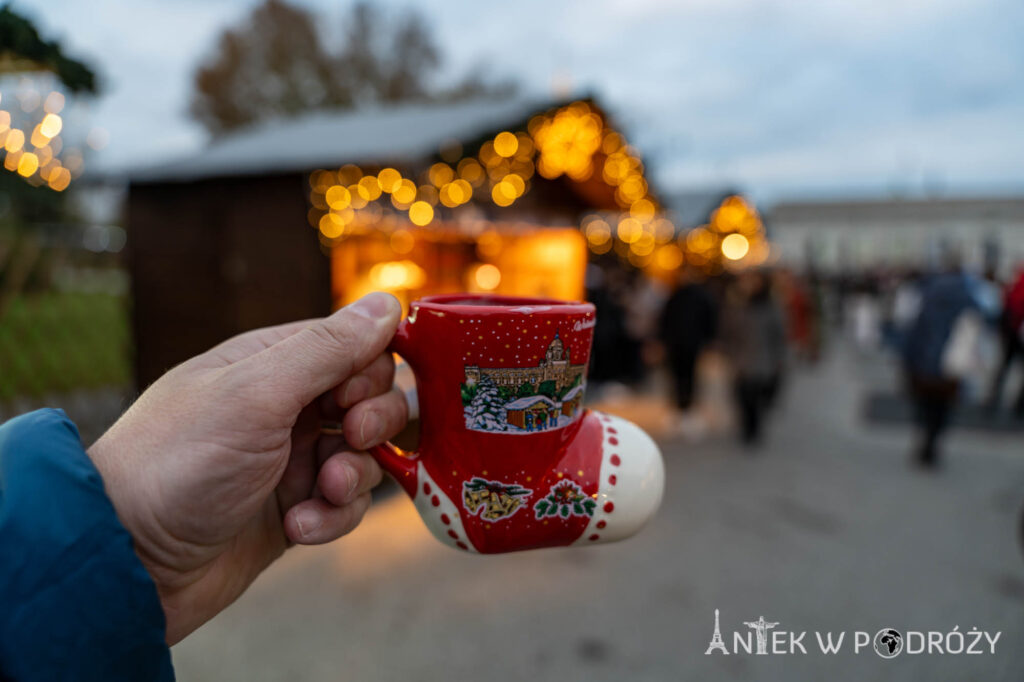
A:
781, 97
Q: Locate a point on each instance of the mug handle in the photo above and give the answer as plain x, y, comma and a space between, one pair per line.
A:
401, 464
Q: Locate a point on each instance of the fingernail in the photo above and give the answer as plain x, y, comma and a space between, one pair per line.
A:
307, 521
370, 428
355, 390
352, 476
373, 306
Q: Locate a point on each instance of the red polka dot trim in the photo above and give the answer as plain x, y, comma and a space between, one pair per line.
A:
435, 501
426, 488
613, 441
593, 537
613, 479
461, 545
615, 460
453, 535
602, 524
609, 507
445, 520
611, 430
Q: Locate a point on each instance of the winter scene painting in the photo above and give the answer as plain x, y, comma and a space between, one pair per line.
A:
520, 400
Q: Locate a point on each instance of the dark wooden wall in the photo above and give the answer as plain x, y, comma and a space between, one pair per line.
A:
213, 258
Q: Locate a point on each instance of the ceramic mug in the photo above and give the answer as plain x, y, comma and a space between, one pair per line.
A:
508, 458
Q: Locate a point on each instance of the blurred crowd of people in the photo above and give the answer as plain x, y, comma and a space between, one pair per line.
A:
957, 335
759, 321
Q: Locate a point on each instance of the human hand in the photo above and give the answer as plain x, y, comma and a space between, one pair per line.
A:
221, 463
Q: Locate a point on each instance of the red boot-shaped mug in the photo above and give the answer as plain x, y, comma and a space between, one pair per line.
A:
509, 458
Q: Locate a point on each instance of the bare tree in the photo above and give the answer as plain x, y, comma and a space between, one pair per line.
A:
275, 65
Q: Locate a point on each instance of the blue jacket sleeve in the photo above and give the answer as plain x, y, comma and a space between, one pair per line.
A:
75, 601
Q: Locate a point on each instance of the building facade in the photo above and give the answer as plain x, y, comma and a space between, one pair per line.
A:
834, 236
554, 366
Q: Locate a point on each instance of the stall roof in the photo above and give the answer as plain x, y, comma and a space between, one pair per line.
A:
381, 134
572, 393
523, 403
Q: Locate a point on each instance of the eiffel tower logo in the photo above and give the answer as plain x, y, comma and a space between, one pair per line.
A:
716, 640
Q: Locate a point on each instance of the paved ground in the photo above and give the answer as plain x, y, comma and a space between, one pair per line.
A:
826, 528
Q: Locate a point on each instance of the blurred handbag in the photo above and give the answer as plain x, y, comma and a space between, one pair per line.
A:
961, 358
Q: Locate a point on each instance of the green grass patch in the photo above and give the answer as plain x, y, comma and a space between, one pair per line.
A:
58, 342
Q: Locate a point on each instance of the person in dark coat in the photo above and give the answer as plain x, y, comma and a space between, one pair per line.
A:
109, 556
686, 327
753, 338
944, 297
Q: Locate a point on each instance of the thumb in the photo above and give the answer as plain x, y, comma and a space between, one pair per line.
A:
328, 351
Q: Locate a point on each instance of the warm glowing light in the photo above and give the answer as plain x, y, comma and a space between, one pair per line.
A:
369, 188
643, 245
506, 144
38, 139
629, 230
525, 147
503, 194
349, 174
611, 143
388, 179
633, 188
471, 171
598, 232
516, 182
487, 277
28, 164
338, 197
448, 197
356, 197
421, 213
735, 246
488, 156
330, 227
402, 241
490, 244
320, 180
5, 120
15, 140
642, 210
465, 190
51, 125
404, 192
440, 174
397, 275
699, 239
669, 257
343, 217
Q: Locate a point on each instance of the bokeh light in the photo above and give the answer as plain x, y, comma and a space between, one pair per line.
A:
735, 246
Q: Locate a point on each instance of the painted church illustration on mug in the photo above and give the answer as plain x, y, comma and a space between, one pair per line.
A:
524, 399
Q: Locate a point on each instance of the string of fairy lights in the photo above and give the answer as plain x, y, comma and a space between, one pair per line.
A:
572, 141
31, 141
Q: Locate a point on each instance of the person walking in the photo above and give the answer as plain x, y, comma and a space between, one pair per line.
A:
934, 354
753, 338
686, 325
